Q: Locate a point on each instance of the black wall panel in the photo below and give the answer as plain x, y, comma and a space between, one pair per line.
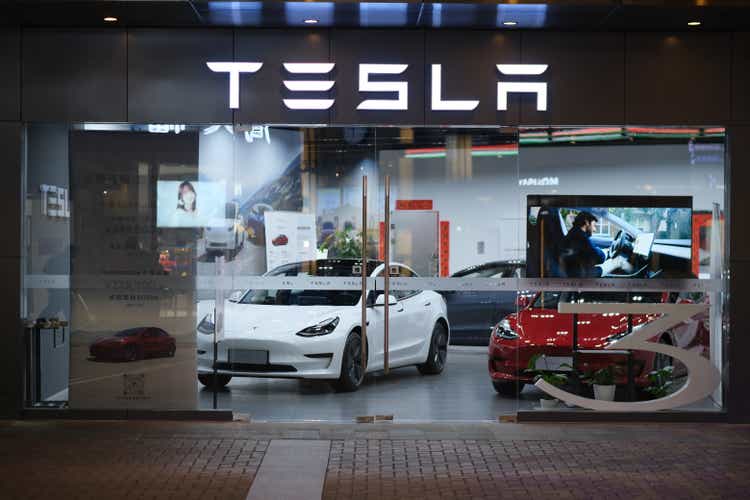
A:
677, 79
262, 93
10, 75
74, 75
585, 78
349, 48
11, 366
741, 77
469, 60
168, 80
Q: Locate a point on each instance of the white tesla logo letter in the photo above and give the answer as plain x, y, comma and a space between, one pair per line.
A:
365, 85
309, 85
538, 88
438, 104
234, 69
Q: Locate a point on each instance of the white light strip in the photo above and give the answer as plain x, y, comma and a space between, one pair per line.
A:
308, 103
538, 88
309, 85
522, 69
312, 68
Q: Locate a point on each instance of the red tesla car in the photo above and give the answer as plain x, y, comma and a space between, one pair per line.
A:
280, 240
537, 328
134, 344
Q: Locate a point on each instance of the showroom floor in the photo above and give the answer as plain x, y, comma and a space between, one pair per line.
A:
462, 392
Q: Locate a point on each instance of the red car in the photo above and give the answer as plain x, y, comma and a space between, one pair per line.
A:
134, 344
537, 328
280, 240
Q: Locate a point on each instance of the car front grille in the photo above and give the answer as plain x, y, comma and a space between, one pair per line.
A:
247, 367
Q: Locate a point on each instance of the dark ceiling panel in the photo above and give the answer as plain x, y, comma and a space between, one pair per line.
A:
74, 75
168, 79
684, 77
10, 76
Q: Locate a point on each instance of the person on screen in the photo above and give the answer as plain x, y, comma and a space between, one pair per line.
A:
186, 212
580, 258
186, 198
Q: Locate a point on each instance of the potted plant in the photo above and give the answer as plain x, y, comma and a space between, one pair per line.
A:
660, 382
603, 381
553, 378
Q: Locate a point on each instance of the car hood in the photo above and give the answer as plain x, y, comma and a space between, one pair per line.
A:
243, 319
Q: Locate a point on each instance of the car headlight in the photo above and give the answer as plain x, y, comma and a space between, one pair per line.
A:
323, 328
206, 326
504, 331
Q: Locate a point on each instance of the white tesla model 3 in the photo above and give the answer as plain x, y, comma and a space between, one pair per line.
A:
316, 334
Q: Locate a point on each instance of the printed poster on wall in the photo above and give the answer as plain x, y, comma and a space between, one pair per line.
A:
290, 237
132, 283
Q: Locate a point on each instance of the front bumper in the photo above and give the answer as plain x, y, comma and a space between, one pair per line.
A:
509, 363
297, 357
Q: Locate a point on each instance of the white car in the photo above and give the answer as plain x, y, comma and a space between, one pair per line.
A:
316, 334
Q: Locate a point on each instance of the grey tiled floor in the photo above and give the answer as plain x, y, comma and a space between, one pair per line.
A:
462, 392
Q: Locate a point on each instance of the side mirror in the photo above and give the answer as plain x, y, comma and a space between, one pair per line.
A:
522, 301
380, 300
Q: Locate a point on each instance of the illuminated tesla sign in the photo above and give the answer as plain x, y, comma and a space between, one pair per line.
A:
309, 93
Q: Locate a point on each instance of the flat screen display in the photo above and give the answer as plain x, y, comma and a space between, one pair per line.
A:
609, 236
190, 203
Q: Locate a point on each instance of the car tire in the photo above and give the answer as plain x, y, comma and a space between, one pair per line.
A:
131, 353
171, 352
509, 389
207, 379
352, 374
438, 354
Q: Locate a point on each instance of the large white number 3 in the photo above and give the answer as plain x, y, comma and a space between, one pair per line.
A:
703, 377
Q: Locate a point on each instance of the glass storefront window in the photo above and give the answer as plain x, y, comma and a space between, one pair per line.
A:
157, 243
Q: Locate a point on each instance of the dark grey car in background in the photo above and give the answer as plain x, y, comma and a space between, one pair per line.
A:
472, 314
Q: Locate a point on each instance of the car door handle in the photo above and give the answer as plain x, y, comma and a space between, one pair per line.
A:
427, 304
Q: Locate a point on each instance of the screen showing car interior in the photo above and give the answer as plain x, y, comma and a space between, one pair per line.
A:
643, 242
608, 237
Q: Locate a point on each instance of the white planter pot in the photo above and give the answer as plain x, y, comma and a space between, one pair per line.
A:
548, 404
604, 392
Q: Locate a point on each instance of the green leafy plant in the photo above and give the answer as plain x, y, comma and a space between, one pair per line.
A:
602, 376
660, 382
552, 378
343, 245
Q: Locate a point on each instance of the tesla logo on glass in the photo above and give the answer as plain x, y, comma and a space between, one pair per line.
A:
308, 92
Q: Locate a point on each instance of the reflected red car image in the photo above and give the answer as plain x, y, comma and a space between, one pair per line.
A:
134, 344
537, 328
280, 240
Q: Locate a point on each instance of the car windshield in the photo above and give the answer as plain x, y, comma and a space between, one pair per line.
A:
328, 268
128, 333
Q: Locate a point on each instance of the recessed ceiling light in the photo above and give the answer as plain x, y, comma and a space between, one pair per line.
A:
110, 19
311, 21
694, 23
509, 23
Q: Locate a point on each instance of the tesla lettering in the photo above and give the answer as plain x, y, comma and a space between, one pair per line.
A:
438, 104
234, 69
401, 88
309, 85
365, 85
538, 88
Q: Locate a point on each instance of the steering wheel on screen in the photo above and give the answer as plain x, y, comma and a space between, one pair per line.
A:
618, 244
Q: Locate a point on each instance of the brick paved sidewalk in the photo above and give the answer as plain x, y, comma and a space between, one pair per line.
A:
137, 459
